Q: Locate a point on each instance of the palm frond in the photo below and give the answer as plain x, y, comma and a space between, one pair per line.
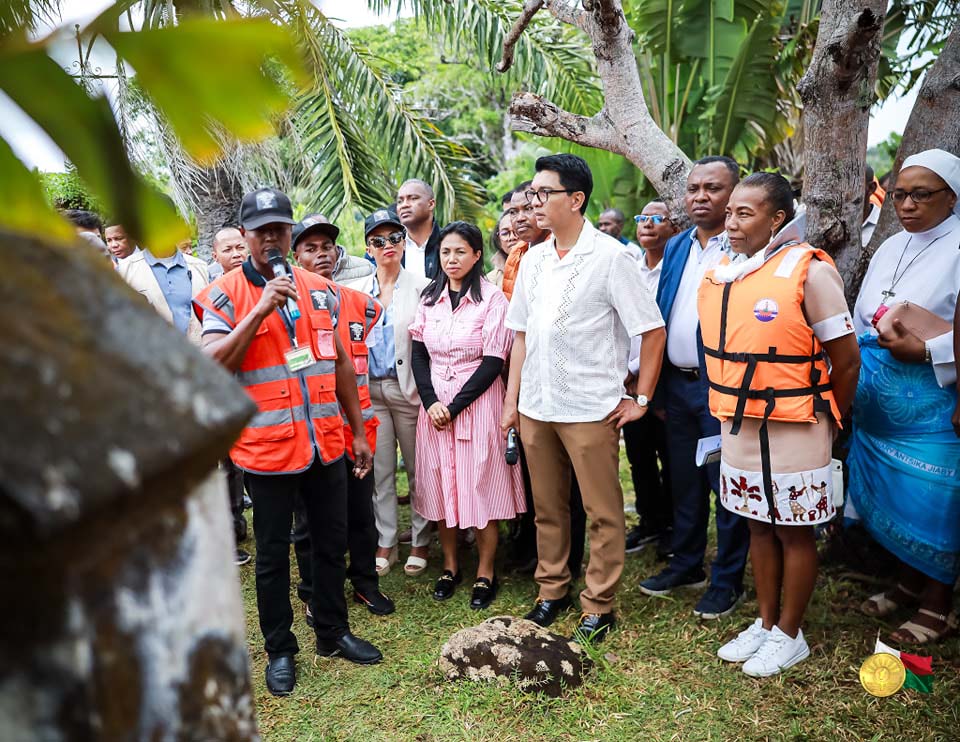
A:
27, 15
355, 112
551, 59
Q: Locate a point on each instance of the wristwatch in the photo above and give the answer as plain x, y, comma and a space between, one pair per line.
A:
642, 400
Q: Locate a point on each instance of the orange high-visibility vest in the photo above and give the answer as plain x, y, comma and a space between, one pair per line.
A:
298, 411
356, 314
762, 358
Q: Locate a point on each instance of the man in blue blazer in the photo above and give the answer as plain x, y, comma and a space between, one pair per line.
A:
683, 392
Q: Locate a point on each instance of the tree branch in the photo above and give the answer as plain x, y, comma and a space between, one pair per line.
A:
624, 126
567, 11
530, 8
534, 114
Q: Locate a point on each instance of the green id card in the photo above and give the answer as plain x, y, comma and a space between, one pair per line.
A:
299, 358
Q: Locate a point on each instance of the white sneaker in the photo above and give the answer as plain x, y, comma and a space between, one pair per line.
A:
745, 644
777, 653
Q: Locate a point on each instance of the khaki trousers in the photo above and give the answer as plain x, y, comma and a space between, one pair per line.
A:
398, 424
593, 450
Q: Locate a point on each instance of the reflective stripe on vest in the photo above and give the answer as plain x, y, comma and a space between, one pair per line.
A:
298, 414
356, 311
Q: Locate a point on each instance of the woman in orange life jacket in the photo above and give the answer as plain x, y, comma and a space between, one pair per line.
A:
782, 363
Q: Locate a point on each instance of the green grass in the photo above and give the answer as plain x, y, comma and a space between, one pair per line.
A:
657, 677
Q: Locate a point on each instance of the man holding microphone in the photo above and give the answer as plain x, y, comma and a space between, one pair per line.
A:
272, 326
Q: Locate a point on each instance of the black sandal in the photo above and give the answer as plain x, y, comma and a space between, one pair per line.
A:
484, 591
446, 585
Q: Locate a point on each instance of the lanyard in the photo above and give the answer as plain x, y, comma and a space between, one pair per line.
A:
289, 324
259, 281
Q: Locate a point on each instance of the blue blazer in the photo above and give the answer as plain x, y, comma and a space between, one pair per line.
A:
675, 256
674, 260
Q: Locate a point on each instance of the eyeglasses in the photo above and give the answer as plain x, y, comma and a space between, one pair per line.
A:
378, 243
657, 219
543, 194
917, 195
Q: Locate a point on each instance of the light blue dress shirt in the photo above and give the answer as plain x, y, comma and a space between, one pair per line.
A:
173, 276
382, 352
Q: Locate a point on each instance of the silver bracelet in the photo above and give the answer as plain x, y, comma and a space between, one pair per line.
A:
927, 355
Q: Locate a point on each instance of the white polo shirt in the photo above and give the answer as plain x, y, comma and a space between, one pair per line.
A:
578, 314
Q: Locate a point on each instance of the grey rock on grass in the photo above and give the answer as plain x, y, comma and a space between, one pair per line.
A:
514, 651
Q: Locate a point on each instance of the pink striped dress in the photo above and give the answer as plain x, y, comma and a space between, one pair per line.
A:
462, 476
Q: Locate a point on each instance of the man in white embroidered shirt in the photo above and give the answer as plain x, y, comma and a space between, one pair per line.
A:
577, 302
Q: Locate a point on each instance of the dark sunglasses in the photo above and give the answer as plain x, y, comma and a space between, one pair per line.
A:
378, 243
657, 219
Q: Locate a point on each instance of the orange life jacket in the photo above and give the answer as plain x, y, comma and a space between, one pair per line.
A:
298, 411
356, 314
512, 266
762, 358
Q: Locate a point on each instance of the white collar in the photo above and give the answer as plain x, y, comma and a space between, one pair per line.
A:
873, 217
948, 225
717, 239
582, 246
791, 234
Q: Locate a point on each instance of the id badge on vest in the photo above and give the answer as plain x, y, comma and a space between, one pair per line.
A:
299, 358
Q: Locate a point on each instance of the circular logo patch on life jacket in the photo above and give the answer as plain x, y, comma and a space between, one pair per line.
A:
766, 310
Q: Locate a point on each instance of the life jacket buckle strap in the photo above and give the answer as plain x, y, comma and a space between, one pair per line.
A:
743, 394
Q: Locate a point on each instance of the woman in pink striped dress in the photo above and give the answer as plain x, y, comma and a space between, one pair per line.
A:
459, 347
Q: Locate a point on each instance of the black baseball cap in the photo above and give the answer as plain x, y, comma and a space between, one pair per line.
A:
314, 223
378, 218
265, 206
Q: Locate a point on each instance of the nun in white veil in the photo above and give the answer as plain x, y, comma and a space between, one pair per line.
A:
904, 457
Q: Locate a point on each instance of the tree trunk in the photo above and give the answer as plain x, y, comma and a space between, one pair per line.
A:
217, 195
837, 92
933, 123
624, 126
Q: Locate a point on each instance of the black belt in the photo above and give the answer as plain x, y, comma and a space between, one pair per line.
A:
690, 374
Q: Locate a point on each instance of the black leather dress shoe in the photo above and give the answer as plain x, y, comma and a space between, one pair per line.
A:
593, 627
375, 601
281, 675
350, 648
446, 585
545, 612
484, 591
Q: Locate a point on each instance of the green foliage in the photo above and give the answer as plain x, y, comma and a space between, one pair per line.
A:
360, 136
920, 27
881, 156
66, 191
84, 127
709, 71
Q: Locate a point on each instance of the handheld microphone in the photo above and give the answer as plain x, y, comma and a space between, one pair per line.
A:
512, 453
276, 261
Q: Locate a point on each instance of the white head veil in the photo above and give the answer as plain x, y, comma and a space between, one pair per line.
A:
944, 164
